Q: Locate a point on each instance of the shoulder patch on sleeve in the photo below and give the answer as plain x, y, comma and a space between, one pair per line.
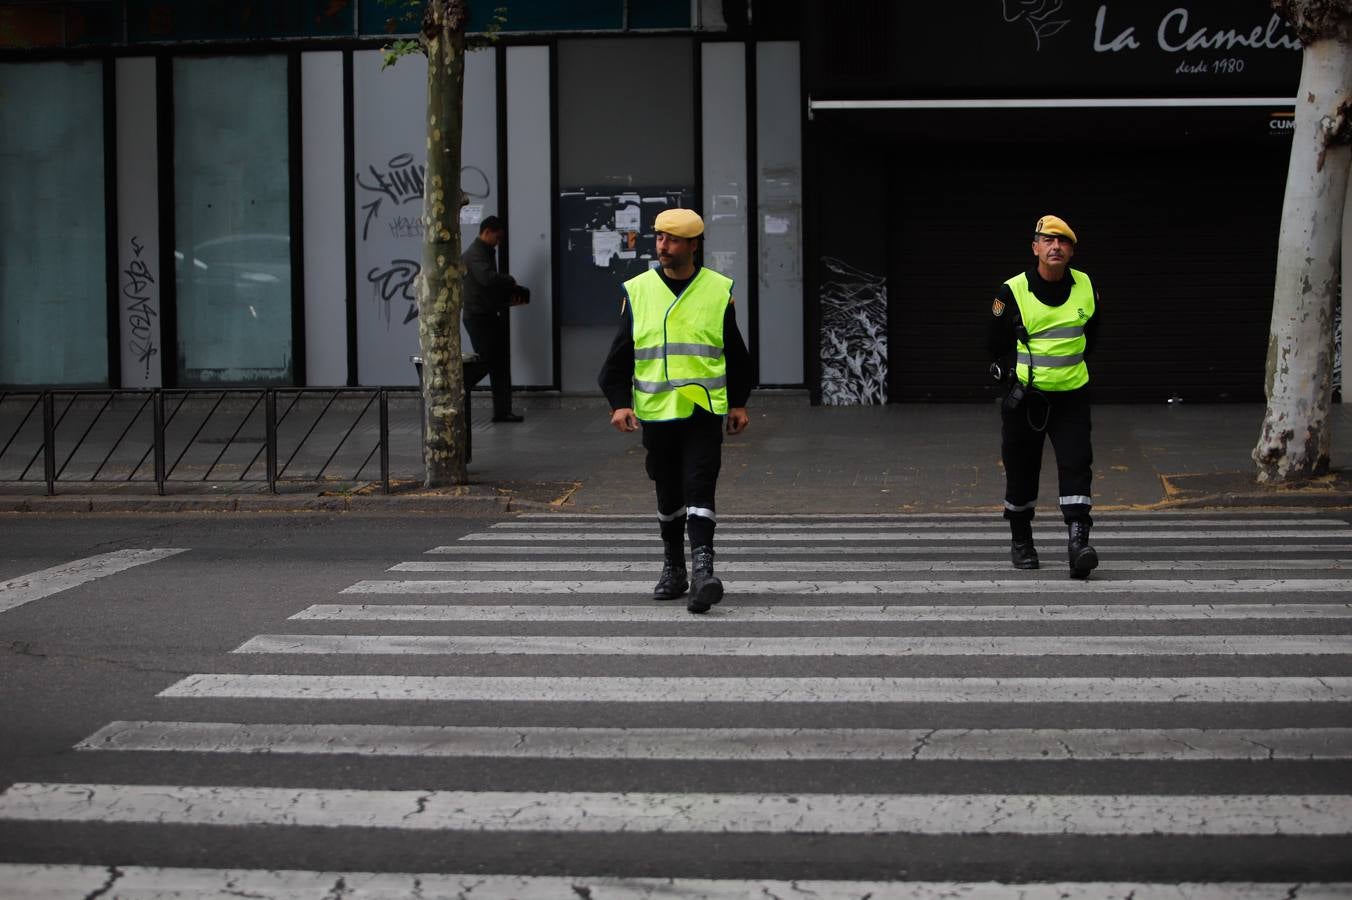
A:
997, 307
624, 301
732, 301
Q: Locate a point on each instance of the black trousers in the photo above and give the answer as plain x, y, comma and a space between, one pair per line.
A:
1068, 425
490, 333
684, 456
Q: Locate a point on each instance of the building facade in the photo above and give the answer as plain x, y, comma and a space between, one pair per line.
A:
212, 193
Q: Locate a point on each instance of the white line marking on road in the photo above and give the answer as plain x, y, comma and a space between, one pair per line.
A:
26, 588
707, 744
733, 536
940, 522
815, 646
1061, 585
716, 813
934, 550
353, 612
994, 513
49, 882
651, 565
598, 689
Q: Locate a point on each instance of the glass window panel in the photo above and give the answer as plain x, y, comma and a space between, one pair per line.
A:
53, 284
658, 14
232, 220
225, 20
520, 15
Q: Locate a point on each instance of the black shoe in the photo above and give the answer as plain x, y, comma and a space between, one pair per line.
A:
672, 582
705, 588
509, 417
1023, 554
1083, 558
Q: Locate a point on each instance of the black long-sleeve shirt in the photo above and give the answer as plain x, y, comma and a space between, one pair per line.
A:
617, 372
486, 289
1005, 317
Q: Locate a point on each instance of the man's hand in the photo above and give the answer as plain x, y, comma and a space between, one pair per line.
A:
738, 420
624, 420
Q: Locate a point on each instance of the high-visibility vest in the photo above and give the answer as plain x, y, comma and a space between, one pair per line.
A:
678, 345
1055, 347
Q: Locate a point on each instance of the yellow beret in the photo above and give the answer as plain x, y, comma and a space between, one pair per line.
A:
1053, 225
682, 223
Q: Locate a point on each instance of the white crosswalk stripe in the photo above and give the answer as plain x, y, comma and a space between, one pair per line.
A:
1086, 612
865, 565
1341, 586
743, 536
1082, 645
44, 881
864, 681
747, 813
559, 689
729, 743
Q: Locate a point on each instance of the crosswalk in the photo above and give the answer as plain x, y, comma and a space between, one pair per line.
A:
880, 708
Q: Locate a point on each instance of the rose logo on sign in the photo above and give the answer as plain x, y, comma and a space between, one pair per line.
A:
1039, 14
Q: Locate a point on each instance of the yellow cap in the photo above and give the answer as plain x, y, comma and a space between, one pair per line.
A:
682, 223
1053, 225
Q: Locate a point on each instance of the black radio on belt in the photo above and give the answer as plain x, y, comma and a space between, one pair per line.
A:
1018, 391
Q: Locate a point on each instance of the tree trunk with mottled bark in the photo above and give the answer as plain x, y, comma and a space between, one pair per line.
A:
440, 297
1295, 442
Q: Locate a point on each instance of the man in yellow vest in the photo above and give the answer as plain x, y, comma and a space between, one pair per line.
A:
678, 366
1042, 326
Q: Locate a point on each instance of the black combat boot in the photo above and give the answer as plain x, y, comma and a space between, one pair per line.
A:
1021, 550
1083, 558
672, 582
706, 589
1023, 554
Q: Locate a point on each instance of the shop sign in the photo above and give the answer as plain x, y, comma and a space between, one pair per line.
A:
1068, 48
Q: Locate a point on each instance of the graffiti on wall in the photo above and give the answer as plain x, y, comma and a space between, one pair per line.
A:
392, 186
142, 296
853, 335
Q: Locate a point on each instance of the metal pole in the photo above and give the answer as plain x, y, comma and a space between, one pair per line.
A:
270, 417
157, 405
49, 440
385, 440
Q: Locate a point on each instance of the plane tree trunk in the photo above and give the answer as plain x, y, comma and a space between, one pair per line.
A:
440, 297
1295, 442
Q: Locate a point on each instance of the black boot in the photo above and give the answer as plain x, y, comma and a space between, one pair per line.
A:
672, 582
1083, 558
706, 589
1023, 554
1021, 550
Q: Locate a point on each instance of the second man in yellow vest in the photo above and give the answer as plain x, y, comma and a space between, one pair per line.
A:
678, 366
1042, 326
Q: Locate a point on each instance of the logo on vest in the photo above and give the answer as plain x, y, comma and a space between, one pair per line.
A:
1082, 313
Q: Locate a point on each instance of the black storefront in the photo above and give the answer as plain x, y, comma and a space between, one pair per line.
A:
1159, 130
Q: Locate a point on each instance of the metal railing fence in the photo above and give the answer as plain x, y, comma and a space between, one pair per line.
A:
201, 435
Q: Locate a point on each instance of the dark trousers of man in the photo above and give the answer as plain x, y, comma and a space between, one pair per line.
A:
491, 336
1067, 417
684, 456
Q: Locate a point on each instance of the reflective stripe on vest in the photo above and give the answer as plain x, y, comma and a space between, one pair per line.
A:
678, 345
1056, 339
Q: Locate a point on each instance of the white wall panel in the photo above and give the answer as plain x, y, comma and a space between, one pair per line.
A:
529, 205
391, 158
322, 188
723, 80
780, 197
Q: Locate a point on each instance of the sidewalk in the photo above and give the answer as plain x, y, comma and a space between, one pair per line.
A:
794, 458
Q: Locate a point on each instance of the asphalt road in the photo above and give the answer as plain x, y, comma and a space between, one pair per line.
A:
881, 704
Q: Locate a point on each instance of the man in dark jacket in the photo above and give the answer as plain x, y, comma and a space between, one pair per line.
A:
489, 297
